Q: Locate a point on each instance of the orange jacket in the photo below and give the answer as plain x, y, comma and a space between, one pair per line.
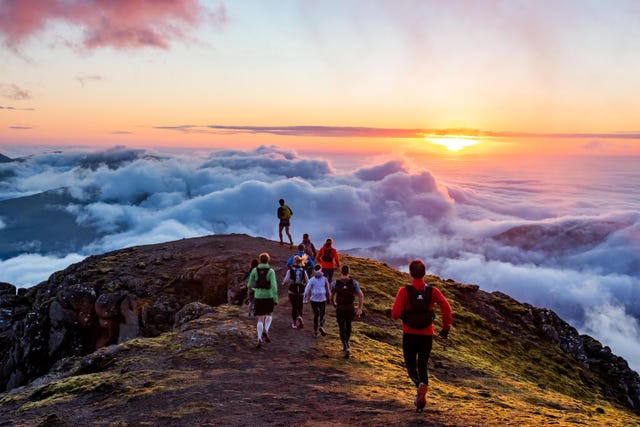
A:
402, 303
328, 264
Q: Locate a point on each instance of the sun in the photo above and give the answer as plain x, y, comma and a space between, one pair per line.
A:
454, 144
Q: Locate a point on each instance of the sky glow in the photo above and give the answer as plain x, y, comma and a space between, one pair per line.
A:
162, 73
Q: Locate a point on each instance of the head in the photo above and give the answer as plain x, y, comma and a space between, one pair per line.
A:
301, 247
328, 242
297, 260
281, 201
264, 258
417, 269
305, 236
345, 270
317, 268
254, 263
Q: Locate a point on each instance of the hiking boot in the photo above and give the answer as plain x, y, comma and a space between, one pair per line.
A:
421, 397
324, 334
294, 325
266, 336
300, 322
259, 345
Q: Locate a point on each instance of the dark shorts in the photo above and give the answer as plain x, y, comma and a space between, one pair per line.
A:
284, 223
263, 306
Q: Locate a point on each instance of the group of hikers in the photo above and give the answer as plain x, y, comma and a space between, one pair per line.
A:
309, 277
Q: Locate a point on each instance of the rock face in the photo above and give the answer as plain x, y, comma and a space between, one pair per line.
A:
117, 296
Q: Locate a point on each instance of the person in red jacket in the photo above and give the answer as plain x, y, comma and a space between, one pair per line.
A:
328, 258
414, 305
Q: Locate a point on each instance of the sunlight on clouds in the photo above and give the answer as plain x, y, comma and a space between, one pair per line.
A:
454, 144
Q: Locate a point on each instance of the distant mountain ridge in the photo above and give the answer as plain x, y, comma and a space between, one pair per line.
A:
118, 301
5, 159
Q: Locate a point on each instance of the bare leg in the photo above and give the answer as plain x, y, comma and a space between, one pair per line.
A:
280, 232
288, 234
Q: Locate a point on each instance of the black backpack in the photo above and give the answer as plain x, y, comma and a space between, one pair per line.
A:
418, 316
262, 282
296, 277
345, 292
327, 255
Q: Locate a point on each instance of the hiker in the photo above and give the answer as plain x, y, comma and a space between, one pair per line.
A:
266, 296
305, 261
328, 258
309, 247
414, 305
296, 277
284, 215
318, 291
344, 292
250, 296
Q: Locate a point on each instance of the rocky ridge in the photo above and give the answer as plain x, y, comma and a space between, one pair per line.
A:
53, 330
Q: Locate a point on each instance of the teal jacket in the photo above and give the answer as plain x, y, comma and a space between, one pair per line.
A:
264, 293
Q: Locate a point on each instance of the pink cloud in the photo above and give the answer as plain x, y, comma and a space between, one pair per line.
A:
115, 23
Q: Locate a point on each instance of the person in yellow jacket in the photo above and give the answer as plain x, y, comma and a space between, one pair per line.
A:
262, 282
284, 215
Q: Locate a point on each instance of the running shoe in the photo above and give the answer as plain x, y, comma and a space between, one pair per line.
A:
421, 398
324, 334
259, 344
300, 322
294, 325
266, 336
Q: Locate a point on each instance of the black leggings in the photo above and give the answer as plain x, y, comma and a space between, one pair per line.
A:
296, 305
344, 318
417, 346
318, 313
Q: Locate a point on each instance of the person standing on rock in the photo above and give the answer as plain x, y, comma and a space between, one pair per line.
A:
328, 259
284, 215
414, 305
262, 281
344, 292
297, 279
317, 291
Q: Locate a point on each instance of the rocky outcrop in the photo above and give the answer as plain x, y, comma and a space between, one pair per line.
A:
608, 372
111, 298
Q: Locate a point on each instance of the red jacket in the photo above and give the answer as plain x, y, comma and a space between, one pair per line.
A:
328, 264
402, 303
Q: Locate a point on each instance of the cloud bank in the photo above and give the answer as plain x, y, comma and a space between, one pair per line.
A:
118, 24
567, 241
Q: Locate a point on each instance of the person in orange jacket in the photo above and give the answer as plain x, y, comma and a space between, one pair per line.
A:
328, 258
414, 304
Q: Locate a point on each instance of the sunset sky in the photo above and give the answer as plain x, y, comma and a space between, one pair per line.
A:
546, 77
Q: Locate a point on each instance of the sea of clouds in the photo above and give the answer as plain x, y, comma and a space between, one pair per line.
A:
575, 248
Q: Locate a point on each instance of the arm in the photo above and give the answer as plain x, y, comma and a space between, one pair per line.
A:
445, 309
335, 252
307, 291
360, 296
274, 285
398, 303
286, 279
327, 286
251, 280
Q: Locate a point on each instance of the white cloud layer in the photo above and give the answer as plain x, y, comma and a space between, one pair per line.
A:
569, 242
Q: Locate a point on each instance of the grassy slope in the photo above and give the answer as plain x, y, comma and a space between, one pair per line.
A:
482, 377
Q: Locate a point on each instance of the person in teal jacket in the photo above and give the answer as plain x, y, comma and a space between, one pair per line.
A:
262, 282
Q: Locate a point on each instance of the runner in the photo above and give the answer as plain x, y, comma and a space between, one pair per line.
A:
344, 292
266, 296
317, 291
414, 305
296, 278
